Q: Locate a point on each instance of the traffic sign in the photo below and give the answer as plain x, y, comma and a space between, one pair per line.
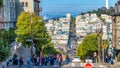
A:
88, 65
105, 46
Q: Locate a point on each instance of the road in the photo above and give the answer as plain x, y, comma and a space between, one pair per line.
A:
72, 41
72, 65
81, 65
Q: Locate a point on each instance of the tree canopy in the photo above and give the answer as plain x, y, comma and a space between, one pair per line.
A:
31, 25
102, 10
4, 50
9, 36
88, 46
1, 3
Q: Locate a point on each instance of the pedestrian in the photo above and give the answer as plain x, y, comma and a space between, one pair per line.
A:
3, 64
48, 61
37, 61
15, 60
29, 63
7, 61
20, 61
60, 59
40, 59
110, 59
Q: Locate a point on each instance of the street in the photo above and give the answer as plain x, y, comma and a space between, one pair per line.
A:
70, 65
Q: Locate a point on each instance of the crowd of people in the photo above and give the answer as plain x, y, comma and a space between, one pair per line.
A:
34, 60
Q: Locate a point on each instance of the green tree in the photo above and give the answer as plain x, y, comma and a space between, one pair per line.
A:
49, 49
4, 50
88, 46
1, 3
9, 36
101, 10
29, 24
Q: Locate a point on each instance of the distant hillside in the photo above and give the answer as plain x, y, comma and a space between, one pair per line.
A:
102, 10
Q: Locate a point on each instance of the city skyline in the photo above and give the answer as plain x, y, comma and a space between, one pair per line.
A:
57, 8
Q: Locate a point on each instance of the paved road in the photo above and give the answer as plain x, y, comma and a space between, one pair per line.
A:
81, 65
16, 66
72, 65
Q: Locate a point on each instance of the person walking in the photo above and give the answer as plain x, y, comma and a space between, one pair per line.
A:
20, 61
40, 59
7, 62
29, 63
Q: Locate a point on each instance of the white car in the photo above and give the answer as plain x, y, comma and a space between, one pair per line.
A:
88, 60
76, 59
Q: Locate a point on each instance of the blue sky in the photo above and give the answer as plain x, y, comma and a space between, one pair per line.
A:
61, 7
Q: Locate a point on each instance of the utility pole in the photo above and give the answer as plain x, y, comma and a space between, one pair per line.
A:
98, 48
31, 34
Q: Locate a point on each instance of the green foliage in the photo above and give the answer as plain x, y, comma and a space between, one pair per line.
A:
8, 36
102, 19
88, 46
34, 27
101, 10
1, 3
4, 50
49, 50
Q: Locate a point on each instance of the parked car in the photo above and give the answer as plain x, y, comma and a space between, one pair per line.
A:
89, 60
76, 59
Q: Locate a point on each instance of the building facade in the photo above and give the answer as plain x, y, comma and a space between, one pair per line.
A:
116, 30
13, 8
9, 14
28, 6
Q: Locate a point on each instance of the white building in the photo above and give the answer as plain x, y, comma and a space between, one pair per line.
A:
68, 16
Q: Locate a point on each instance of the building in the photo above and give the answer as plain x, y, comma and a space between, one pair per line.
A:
68, 16
13, 8
28, 6
9, 14
116, 31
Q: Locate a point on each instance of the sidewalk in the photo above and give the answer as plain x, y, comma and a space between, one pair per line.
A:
107, 65
116, 65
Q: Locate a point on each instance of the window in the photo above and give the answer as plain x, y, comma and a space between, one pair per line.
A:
26, 4
22, 4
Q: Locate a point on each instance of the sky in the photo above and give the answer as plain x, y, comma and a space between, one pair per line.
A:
57, 8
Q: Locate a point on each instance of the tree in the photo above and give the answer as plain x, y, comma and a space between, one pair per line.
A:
88, 46
9, 36
1, 3
34, 27
4, 50
101, 10
49, 49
